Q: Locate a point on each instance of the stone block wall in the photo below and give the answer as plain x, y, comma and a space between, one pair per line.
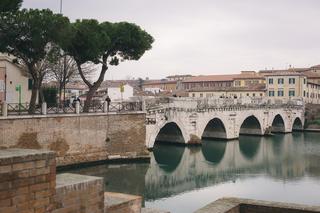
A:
79, 194
78, 138
27, 181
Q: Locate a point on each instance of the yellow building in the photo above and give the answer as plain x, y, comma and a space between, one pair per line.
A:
159, 85
248, 78
257, 90
286, 84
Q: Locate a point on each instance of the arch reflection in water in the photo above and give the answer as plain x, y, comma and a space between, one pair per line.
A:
215, 129
213, 150
249, 146
277, 143
170, 133
167, 156
251, 126
278, 124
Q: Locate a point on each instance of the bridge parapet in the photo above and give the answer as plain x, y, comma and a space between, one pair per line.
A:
220, 104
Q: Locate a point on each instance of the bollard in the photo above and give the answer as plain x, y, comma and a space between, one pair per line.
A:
44, 108
105, 107
77, 107
4, 109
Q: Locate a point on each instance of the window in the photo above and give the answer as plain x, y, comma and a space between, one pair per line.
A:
247, 94
304, 93
261, 94
201, 95
271, 93
280, 93
292, 80
291, 93
280, 80
254, 94
30, 84
270, 80
193, 95
304, 81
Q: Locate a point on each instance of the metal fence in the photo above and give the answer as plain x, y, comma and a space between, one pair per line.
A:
55, 108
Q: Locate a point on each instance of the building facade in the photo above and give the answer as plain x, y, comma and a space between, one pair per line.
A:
11, 77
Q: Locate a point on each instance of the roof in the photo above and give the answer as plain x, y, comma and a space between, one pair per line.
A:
206, 78
177, 76
284, 73
219, 78
152, 82
117, 83
311, 74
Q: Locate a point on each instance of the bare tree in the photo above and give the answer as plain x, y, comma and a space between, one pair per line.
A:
63, 70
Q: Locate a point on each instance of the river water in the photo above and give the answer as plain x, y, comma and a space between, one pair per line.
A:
284, 167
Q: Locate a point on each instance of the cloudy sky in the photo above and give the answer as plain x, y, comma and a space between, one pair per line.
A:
209, 36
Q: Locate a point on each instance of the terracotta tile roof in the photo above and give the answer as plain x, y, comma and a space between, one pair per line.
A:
206, 78
219, 78
152, 82
284, 73
311, 74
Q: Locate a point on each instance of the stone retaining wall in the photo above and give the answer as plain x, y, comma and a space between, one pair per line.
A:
78, 138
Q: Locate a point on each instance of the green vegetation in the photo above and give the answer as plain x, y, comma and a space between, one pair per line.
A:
33, 35
50, 96
105, 44
10, 5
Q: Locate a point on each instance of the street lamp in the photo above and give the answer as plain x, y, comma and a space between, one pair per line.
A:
60, 6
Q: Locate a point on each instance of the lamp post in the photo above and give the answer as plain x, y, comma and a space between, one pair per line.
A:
60, 6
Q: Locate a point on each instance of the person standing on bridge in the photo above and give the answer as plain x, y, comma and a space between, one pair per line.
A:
108, 100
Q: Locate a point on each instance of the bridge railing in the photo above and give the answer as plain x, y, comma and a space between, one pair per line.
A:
222, 103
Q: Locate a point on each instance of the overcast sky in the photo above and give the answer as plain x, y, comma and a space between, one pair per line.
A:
209, 36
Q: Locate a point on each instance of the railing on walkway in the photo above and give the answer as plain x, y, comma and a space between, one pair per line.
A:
8, 109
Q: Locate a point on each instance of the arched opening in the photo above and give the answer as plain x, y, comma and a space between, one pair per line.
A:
249, 146
278, 124
215, 129
170, 133
167, 156
213, 151
250, 126
297, 125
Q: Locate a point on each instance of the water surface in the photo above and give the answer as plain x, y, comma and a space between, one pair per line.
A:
284, 167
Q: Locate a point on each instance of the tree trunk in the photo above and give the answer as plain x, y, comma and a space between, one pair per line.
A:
33, 99
89, 97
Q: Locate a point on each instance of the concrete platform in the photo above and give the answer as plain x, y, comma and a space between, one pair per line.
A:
121, 203
237, 205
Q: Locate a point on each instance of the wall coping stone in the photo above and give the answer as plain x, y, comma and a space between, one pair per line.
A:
16, 155
70, 180
14, 117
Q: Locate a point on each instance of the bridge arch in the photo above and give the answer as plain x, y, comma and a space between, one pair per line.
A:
215, 128
168, 131
278, 124
251, 126
297, 124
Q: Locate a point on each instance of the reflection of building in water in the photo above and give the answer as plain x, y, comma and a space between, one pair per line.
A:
281, 157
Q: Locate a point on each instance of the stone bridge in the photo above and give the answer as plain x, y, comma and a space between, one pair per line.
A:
188, 120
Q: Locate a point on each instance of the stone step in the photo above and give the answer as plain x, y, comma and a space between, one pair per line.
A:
149, 210
121, 203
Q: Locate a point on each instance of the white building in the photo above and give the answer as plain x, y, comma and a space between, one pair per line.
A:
11, 76
115, 93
